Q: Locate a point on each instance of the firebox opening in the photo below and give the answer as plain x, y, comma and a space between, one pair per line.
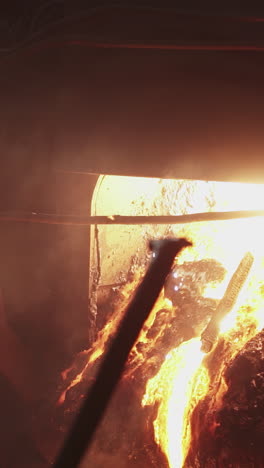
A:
177, 406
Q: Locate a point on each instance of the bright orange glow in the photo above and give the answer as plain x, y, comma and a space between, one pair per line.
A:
100, 345
183, 380
173, 387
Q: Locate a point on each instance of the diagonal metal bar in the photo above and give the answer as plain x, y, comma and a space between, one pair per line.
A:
113, 364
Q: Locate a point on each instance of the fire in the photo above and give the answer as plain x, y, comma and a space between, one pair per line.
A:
177, 384
183, 378
100, 345
183, 381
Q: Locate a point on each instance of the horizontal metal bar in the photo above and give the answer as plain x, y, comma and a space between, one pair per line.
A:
73, 220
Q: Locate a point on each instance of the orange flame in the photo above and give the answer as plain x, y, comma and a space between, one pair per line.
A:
100, 345
183, 380
174, 386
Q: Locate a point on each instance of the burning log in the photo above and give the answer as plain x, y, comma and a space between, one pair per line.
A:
210, 334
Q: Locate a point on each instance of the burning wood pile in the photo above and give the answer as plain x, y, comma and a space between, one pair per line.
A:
192, 391
174, 406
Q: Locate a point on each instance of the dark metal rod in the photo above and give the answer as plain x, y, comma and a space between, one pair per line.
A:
71, 220
113, 364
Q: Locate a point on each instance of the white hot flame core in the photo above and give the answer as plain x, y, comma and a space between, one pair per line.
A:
173, 389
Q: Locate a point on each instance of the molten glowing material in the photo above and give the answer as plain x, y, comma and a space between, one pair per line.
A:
174, 387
